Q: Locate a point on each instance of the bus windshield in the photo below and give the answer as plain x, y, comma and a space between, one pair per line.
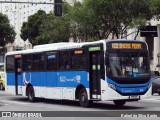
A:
127, 64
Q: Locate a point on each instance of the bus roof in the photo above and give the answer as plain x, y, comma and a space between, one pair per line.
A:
53, 46
63, 46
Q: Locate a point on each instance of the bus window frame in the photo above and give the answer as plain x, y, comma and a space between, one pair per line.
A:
23, 63
44, 62
13, 70
59, 57
57, 60
81, 55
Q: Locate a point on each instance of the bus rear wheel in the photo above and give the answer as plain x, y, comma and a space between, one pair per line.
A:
83, 98
31, 95
119, 102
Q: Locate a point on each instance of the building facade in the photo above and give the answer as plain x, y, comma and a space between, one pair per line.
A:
152, 37
19, 12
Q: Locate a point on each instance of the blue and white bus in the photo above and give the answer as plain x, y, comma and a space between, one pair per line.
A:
105, 70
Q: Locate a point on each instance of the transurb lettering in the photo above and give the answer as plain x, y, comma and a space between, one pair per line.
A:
74, 79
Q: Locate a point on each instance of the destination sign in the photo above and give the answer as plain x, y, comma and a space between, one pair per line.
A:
78, 51
126, 45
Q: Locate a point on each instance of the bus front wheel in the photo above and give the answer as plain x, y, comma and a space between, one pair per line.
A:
31, 95
119, 102
83, 98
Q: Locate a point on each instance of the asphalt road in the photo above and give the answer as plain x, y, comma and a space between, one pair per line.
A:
71, 110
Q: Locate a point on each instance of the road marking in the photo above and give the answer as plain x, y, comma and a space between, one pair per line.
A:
151, 100
13, 102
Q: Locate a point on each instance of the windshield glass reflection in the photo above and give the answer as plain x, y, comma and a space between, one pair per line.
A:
127, 64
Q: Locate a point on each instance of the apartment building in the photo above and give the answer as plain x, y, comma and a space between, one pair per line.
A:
19, 12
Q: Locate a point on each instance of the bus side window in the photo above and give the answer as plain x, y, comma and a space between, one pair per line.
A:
64, 59
10, 64
51, 61
78, 62
27, 62
38, 62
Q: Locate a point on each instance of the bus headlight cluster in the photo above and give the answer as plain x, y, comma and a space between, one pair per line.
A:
112, 86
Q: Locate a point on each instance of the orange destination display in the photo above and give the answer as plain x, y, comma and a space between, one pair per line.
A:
126, 45
78, 52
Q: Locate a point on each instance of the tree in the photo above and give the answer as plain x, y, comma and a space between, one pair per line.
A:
55, 29
32, 28
90, 20
99, 18
42, 28
7, 33
155, 7
84, 22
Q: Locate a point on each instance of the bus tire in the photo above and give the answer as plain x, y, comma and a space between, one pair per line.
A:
119, 102
83, 98
31, 95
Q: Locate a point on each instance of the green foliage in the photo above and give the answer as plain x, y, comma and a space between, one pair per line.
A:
7, 33
85, 24
32, 29
43, 28
55, 29
92, 39
90, 20
99, 18
155, 7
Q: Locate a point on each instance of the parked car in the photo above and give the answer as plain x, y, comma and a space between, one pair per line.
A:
156, 85
2, 81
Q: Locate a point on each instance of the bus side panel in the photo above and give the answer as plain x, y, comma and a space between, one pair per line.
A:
51, 79
20, 81
72, 79
52, 91
10, 83
38, 78
69, 80
10, 79
42, 78
38, 81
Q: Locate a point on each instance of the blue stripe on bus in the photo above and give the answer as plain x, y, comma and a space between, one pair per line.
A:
51, 79
129, 88
10, 78
127, 85
132, 90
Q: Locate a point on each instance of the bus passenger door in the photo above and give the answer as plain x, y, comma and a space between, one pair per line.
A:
94, 75
18, 74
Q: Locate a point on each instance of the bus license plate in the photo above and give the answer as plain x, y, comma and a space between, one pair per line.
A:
134, 97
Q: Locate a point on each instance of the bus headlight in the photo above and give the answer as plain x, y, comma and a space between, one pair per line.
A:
112, 86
